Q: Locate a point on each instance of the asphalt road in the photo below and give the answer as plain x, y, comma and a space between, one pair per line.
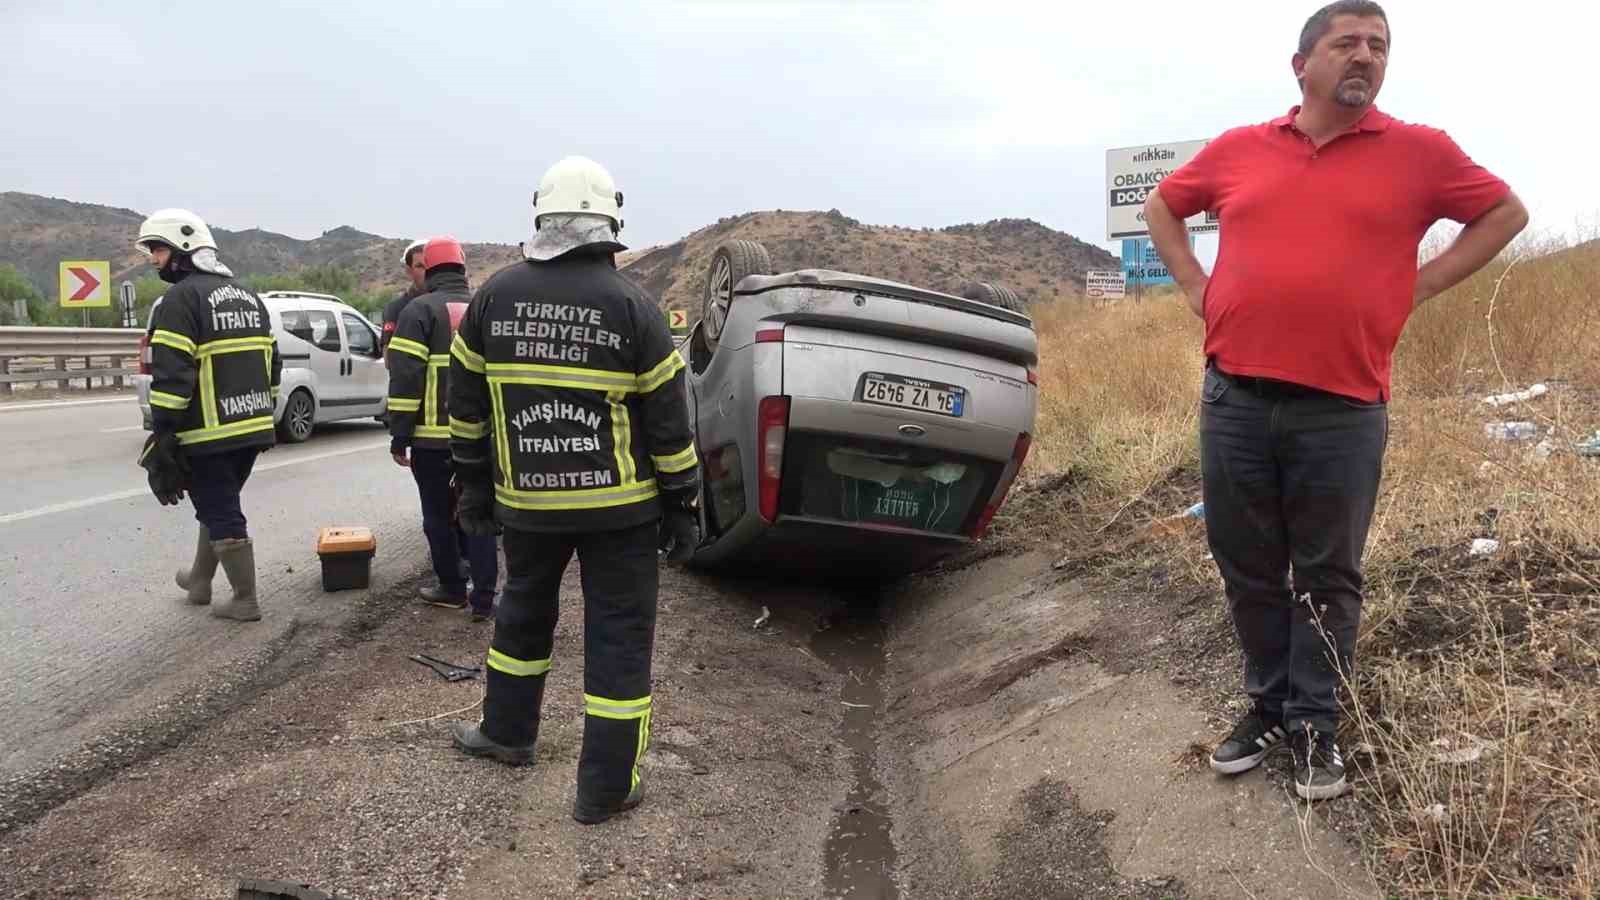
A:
94, 630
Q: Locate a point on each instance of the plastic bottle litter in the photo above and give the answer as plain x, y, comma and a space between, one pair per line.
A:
1538, 390
1483, 546
1197, 511
1511, 431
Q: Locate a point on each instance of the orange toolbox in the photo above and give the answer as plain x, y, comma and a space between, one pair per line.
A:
346, 554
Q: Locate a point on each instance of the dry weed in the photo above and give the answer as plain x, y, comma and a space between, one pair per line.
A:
1474, 717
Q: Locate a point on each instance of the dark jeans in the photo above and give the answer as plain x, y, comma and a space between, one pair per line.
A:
215, 481
620, 576
1291, 478
431, 469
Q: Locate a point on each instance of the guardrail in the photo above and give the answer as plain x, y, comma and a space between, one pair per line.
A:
64, 355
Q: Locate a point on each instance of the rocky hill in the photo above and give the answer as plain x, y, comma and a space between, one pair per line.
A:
1037, 262
36, 233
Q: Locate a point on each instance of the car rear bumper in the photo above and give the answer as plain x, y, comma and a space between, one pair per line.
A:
807, 546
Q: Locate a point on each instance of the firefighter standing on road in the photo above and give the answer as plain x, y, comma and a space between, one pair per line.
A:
570, 429
417, 272
214, 385
419, 424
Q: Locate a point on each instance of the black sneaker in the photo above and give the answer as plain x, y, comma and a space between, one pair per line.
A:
1248, 745
1318, 765
438, 596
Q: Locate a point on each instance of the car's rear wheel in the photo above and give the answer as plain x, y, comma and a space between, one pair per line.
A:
730, 263
994, 295
299, 417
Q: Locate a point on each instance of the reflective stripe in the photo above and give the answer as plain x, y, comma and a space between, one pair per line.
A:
439, 359
622, 443
402, 404
430, 398
503, 443
172, 339
661, 374
247, 426
208, 392
431, 431
472, 361
234, 345
561, 376
584, 498
682, 460
168, 401
406, 345
468, 431
606, 708
519, 667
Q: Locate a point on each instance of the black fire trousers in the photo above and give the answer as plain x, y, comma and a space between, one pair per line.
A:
446, 542
1290, 482
215, 480
619, 576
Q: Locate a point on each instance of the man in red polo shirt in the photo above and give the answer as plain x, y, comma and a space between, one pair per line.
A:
1322, 211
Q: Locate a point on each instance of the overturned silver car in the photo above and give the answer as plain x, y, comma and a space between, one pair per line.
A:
852, 425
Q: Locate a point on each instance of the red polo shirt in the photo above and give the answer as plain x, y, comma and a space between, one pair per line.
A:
1317, 253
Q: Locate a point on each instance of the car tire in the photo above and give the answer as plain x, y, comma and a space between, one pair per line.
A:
995, 295
299, 417
730, 263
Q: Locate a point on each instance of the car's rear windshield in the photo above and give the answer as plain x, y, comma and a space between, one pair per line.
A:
870, 482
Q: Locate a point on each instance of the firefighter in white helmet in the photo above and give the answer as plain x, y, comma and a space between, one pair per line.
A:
569, 429
214, 386
416, 272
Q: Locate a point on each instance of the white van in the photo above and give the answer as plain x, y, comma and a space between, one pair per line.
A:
332, 367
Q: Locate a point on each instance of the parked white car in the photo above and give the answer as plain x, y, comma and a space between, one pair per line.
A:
332, 367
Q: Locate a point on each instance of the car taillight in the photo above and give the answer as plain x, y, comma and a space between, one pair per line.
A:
1033, 375
1018, 453
144, 354
769, 336
772, 426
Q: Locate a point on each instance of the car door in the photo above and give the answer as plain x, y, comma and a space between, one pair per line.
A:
328, 361
368, 377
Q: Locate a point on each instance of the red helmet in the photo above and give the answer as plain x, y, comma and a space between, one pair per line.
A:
441, 251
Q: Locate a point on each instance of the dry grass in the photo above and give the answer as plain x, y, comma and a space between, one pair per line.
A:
1475, 713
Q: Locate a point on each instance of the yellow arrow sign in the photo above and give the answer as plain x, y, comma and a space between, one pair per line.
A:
86, 283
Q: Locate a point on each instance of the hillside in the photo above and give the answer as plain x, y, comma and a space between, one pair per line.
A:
1037, 262
36, 233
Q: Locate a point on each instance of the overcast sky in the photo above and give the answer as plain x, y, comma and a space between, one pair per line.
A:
405, 119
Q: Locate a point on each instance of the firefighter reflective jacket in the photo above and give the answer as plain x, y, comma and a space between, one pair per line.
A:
419, 363
214, 366
566, 390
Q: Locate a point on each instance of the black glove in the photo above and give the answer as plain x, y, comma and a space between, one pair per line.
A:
168, 471
476, 508
680, 526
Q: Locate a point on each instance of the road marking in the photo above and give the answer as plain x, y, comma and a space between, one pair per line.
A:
127, 428
19, 407
71, 505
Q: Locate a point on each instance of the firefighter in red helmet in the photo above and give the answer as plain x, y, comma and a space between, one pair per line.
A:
418, 357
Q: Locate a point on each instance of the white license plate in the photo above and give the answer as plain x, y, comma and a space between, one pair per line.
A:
913, 393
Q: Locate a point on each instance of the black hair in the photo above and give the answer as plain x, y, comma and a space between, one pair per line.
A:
1321, 21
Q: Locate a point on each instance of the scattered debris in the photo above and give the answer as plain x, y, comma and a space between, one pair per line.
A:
450, 671
1197, 511
1511, 431
1538, 390
1483, 546
1589, 446
762, 619
259, 889
1469, 750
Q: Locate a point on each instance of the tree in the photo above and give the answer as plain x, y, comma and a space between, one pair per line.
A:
15, 286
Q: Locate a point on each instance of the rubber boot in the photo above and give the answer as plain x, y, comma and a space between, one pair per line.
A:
197, 578
238, 558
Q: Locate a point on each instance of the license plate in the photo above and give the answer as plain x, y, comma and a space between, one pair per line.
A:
913, 393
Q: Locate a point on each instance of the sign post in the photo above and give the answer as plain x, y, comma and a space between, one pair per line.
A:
1143, 264
85, 284
1132, 173
129, 298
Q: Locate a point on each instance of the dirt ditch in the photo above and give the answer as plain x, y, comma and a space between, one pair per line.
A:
1003, 729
